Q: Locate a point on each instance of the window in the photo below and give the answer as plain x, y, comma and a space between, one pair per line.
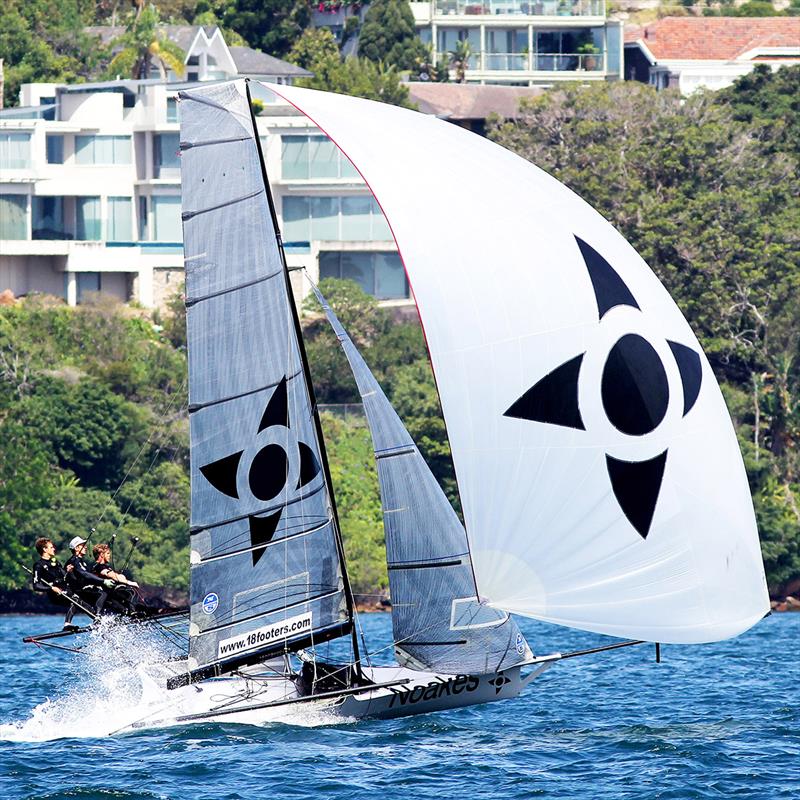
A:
55, 148
13, 216
379, 274
167, 219
118, 224
15, 150
166, 155
306, 157
350, 219
86, 282
172, 109
87, 219
48, 218
103, 149
143, 227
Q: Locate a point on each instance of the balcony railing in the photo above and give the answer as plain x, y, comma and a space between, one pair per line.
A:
536, 62
524, 8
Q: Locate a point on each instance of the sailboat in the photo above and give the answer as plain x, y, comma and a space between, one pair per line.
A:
600, 478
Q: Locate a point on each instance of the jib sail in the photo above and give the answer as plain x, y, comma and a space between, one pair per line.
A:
439, 622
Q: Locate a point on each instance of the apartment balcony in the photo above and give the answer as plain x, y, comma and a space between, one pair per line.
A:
514, 8
537, 62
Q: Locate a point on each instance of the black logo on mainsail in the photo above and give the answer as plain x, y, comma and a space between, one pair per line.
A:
267, 471
634, 391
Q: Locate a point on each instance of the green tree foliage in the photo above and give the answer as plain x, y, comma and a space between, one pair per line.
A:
705, 188
360, 78
270, 25
44, 40
144, 45
314, 45
388, 35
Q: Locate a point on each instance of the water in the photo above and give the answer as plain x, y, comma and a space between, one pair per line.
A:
712, 721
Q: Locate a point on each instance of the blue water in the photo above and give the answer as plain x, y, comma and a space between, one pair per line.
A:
712, 721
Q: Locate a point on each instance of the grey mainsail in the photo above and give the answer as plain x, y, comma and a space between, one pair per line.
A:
266, 571
439, 622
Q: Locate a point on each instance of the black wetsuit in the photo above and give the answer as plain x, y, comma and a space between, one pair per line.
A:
83, 582
121, 596
48, 573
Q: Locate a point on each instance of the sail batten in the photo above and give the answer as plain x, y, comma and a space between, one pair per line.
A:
266, 567
565, 373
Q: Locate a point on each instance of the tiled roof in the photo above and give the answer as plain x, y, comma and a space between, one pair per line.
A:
253, 62
182, 35
468, 100
714, 38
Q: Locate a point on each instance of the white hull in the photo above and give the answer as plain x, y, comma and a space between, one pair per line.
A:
262, 699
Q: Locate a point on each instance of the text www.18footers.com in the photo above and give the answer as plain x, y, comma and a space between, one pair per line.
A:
264, 635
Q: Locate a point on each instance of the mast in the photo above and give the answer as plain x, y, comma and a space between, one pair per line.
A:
348, 591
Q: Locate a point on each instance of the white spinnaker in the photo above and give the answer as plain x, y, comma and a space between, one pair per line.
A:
487, 240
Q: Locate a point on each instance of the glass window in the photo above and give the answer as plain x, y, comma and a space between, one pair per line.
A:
294, 157
143, 219
380, 227
15, 150
304, 157
324, 218
86, 282
356, 218
87, 219
323, 158
55, 148
48, 218
103, 149
296, 223
166, 152
167, 219
172, 110
378, 274
118, 224
13, 216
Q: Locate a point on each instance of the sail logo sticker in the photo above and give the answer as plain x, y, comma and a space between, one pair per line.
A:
520, 644
264, 635
634, 392
210, 603
266, 471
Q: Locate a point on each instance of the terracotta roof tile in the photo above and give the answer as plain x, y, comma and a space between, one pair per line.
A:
714, 38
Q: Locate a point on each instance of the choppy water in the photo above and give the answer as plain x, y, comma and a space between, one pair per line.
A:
711, 721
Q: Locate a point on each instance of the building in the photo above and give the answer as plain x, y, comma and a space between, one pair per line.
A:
90, 185
688, 53
525, 42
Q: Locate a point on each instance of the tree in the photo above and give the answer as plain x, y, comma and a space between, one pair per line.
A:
270, 25
388, 35
360, 78
144, 45
315, 45
459, 59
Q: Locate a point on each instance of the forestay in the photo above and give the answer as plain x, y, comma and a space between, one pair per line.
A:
600, 477
265, 569
438, 620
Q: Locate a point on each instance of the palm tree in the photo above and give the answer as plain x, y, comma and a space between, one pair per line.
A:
144, 44
459, 59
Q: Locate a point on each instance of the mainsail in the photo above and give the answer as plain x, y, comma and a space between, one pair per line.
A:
438, 620
600, 477
266, 570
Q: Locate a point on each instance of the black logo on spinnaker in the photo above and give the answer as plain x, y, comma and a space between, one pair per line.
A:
267, 471
633, 388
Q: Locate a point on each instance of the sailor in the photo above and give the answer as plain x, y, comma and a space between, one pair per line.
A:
122, 589
82, 581
51, 577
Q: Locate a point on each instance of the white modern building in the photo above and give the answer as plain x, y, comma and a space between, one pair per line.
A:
525, 42
90, 196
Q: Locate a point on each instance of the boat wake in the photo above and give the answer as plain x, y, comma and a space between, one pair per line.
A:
118, 686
